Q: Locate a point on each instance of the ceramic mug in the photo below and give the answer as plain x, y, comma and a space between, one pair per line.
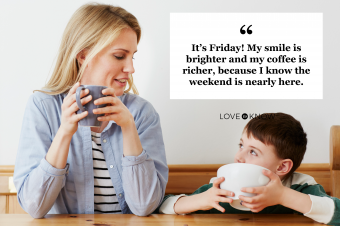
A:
91, 119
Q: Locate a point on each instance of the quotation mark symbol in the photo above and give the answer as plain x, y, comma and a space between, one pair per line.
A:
242, 31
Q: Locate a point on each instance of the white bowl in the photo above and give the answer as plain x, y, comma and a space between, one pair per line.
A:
240, 175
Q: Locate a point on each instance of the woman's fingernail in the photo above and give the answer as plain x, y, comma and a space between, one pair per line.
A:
241, 203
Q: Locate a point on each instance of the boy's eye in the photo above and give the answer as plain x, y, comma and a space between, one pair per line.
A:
240, 145
253, 152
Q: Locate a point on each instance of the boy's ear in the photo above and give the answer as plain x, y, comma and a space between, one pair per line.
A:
285, 167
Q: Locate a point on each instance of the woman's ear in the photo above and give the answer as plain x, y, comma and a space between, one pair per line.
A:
285, 167
81, 56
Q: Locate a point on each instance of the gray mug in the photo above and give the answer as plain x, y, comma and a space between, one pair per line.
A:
91, 119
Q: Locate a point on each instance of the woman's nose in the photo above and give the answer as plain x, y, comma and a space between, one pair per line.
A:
128, 67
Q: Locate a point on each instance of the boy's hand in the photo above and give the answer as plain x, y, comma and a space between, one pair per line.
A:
268, 195
210, 198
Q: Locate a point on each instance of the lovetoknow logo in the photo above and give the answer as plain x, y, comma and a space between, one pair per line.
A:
244, 116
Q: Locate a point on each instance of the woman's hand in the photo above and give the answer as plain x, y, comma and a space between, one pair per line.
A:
69, 117
115, 110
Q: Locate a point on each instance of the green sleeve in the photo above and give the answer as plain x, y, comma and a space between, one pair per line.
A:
198, 191
318, 190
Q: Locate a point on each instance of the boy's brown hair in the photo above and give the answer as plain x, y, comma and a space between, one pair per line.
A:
282, 131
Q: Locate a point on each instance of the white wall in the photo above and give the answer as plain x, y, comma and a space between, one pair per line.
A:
30, 33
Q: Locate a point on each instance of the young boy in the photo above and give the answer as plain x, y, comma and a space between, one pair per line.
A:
277, 142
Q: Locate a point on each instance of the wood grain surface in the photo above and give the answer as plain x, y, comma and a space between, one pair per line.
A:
157, 219
187, 178
334, 160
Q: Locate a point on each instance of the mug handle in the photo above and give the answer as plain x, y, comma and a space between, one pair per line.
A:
80, 106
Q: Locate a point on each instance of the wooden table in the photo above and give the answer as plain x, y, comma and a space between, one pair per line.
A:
156, 219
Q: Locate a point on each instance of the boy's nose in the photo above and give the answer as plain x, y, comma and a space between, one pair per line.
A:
239, 161
239, 158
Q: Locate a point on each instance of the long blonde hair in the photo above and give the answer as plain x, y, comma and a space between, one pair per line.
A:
93, 26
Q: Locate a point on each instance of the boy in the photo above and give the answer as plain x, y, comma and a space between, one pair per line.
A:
277, 142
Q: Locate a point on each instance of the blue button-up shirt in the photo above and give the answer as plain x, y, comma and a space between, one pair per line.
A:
139, 181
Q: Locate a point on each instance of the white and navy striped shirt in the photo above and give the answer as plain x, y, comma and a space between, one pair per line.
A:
105, 200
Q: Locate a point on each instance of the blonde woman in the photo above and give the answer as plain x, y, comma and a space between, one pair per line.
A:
119, 168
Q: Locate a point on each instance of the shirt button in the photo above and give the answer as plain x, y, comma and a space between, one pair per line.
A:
120, 195
104, 140
111, 166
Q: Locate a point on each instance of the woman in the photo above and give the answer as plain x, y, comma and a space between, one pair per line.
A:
118, 168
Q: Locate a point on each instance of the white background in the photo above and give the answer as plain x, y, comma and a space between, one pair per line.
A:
193, 132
